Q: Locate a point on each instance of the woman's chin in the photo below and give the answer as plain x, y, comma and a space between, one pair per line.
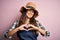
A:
29, 17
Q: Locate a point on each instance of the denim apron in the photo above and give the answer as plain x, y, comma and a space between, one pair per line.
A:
26, 35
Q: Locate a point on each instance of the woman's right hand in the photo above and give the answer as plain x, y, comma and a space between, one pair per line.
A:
22, 27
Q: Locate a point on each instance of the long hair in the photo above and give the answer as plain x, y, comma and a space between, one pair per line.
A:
23, 17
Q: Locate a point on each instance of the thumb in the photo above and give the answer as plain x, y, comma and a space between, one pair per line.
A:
30, 29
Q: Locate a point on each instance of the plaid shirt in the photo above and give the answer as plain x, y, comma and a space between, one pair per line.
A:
16, 22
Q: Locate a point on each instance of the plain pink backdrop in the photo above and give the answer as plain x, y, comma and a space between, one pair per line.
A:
49, 16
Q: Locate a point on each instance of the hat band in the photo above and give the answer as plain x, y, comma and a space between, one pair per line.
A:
30, 7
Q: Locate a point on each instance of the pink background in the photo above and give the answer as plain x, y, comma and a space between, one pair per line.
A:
49, 16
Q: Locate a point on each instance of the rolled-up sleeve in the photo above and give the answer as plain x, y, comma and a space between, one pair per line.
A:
13, 26
42, 27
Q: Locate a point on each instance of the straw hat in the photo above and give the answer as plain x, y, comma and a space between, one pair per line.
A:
30, 5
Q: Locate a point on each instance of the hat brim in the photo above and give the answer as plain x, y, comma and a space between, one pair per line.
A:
25, 8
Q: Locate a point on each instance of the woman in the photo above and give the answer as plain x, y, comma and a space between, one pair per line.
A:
27, 27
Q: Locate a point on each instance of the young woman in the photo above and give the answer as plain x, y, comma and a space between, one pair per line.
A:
27, 27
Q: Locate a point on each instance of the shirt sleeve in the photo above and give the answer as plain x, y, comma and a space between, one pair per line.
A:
42, 27
13, 26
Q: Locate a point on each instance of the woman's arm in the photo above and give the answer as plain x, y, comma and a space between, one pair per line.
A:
39, 29
43, 30
10, 33
11, 30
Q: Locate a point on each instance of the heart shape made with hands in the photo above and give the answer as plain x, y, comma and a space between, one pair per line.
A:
27, 27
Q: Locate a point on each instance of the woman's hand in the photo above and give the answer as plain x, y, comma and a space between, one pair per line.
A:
33, 27
22, 27
29, 26
38, 29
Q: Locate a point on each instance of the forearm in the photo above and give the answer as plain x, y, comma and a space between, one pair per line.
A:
42, 31
10, 33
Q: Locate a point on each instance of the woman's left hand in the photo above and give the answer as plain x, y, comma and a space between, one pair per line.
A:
33, 27
38, 29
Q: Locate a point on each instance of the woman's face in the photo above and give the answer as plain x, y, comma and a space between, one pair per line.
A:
29, 13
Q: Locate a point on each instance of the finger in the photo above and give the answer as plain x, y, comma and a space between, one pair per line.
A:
24, 29
32, 25
31, 29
